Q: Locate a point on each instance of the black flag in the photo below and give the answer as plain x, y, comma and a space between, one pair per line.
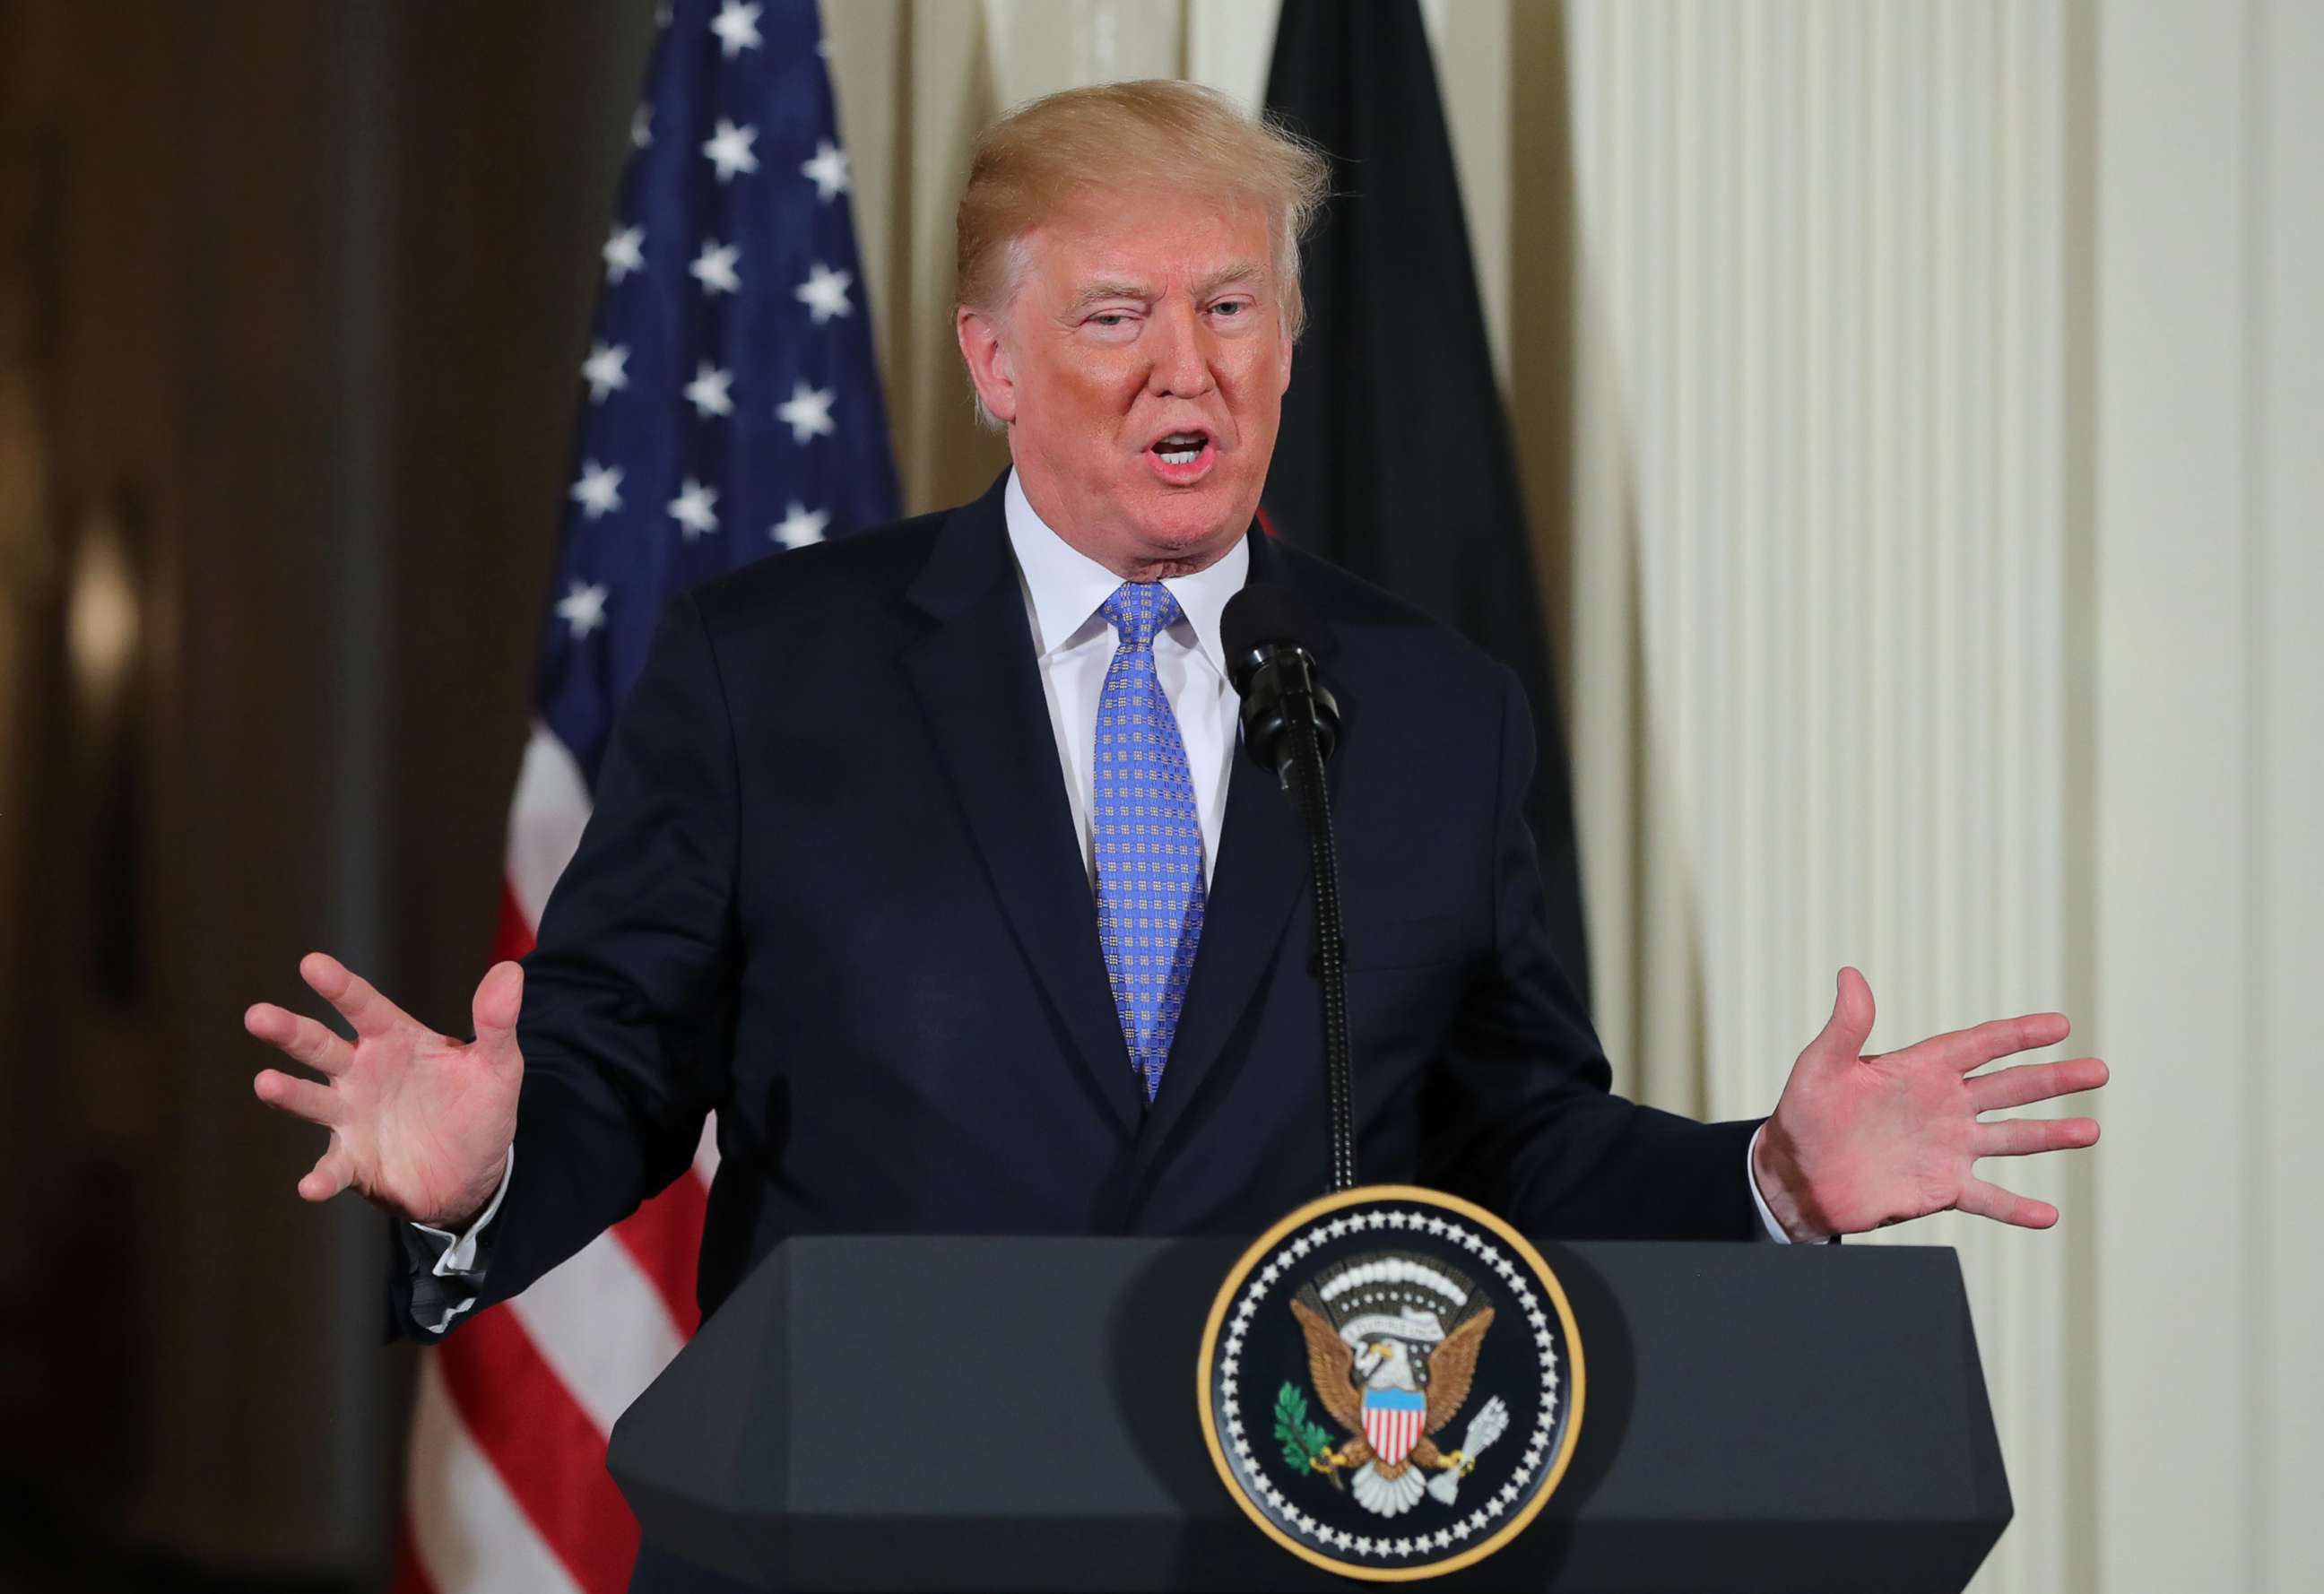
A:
1395, 458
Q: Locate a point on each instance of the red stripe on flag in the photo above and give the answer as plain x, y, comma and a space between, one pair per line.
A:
543, 1445
1266, 521
512, 936
664, 1237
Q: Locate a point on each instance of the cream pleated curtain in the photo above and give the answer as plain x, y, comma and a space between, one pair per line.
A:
1921, 411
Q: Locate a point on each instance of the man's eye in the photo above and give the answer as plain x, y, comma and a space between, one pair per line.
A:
1231, 307
1108, 318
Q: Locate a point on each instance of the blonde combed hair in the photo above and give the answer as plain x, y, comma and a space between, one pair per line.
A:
1048, 153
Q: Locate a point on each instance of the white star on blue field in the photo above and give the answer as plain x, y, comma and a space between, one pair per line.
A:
730, 400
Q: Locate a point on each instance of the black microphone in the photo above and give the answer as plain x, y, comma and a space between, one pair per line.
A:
1290, 723
1270, 641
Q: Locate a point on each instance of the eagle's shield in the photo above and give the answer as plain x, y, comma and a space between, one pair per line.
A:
1393, 1419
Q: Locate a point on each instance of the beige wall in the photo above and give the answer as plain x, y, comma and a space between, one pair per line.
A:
2203, 864
1920, 403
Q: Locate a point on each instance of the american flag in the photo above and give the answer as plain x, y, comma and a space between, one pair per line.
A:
730, 410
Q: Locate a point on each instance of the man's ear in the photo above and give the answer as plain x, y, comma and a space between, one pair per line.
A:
987, 357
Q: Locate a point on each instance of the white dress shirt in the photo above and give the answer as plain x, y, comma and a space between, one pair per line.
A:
1073, 646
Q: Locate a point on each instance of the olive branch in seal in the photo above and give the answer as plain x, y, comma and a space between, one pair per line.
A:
1306, 1446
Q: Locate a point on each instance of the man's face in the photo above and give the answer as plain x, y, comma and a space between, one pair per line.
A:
1141, 368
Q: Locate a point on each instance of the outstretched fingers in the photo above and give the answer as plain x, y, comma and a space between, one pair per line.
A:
2035, 1081
371, 1014
301, 1098
1981, 1200
301, 1038
2028, 1136
1973, 1048
331, 1173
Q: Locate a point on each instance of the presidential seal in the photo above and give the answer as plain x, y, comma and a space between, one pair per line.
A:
1391, 1383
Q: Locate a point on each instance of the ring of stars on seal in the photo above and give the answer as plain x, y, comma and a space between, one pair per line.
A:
1391, 1383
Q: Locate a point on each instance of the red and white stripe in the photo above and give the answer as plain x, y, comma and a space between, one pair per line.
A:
1393, 1431
507, 1487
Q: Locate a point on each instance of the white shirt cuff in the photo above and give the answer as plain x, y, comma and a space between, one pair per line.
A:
460, 1252
1774, 1231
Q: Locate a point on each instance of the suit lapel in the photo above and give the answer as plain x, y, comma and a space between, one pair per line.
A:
1261, 874
980, 690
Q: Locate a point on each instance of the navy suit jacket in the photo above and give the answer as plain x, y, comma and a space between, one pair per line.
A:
832, 890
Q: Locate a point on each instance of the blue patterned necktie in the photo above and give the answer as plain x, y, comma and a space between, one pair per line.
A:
1149, 840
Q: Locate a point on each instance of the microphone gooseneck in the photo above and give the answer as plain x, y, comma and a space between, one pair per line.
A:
1290, 725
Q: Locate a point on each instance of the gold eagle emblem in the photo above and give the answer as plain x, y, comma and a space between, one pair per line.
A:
1331, 1363
1392, 1342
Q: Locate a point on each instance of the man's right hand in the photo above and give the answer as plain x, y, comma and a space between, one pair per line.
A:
420, 1122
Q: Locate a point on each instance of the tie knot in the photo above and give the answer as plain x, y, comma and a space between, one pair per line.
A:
1137, 610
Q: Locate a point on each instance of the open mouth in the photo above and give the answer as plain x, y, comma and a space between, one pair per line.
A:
1182, 458
1181, 447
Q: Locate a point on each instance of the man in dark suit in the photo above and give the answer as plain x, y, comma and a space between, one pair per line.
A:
930, 861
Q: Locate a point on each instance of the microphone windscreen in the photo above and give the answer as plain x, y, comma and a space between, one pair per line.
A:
1260, 616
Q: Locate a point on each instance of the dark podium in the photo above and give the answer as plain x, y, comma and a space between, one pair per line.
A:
981, 1413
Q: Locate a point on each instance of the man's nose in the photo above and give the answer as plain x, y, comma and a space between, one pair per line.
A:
1181, 352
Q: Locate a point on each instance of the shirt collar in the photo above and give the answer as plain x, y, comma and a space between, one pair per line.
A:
1066, 587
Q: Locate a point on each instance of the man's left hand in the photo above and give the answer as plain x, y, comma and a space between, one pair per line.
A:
1860, 1142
